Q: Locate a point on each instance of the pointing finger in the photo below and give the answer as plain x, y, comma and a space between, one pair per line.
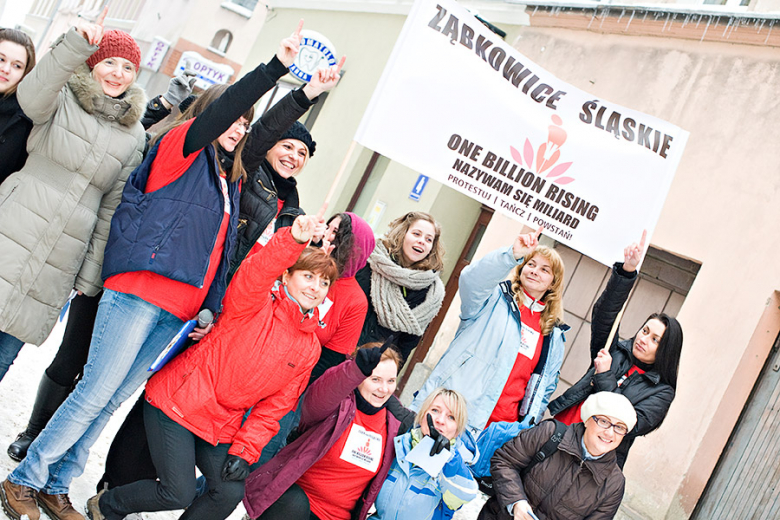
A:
321, 213
297, 32
642, 242
538, 232
341, 63
102, 16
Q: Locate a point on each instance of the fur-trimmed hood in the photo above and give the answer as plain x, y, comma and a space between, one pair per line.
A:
127, 110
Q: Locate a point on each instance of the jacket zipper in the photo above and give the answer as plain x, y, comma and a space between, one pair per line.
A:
165, 238
216, 235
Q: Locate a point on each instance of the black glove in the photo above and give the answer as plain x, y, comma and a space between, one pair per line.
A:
368, 358
235, 468
440, 442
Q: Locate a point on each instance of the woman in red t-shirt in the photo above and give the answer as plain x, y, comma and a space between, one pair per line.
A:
339, 462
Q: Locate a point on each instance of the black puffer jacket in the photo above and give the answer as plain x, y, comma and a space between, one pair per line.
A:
259, 199
14, 129
650, 396
373, 331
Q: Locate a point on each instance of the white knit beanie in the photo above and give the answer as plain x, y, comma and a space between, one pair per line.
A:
611, 404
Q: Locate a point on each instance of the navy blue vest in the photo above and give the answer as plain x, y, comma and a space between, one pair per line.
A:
172, 231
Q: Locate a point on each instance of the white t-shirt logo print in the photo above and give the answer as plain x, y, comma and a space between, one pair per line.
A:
363, 448
529, 338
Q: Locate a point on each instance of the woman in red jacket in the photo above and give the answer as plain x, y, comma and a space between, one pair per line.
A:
338, 464
258, 357
349, 241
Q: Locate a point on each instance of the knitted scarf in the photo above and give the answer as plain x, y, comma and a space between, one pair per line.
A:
392, 309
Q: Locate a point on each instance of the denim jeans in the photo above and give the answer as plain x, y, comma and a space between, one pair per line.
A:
9, 349
129, 334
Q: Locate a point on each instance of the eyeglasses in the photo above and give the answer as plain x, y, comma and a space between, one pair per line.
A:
246, 127
619, 429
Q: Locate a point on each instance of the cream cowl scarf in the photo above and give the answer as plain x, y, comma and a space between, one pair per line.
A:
392, 310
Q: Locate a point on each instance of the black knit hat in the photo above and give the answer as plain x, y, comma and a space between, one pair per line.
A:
299, 132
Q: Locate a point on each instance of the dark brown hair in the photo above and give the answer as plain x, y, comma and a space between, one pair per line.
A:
317, 261
19, 38
195, 109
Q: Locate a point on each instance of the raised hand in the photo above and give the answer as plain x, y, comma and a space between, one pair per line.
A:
93, 32
603, 361
440, 442
526, 243
633, 254
324, 79
288, 48
307, 227
368, 358
180, 87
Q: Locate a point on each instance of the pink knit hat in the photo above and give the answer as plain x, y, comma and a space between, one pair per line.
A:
116, 44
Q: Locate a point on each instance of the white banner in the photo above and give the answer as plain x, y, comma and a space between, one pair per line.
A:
457, 103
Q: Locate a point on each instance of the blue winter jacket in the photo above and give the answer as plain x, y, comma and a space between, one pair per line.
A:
172, 231
409, 493
481, 356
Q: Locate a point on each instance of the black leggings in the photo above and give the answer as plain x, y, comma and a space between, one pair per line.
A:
175, 452
292, 505
68, 363
128, 458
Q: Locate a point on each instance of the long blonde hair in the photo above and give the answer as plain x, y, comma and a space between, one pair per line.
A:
553, 298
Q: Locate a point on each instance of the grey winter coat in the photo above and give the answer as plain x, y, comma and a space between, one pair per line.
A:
55, 212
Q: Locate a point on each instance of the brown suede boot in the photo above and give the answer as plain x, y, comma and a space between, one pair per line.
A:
58, 507
19, 501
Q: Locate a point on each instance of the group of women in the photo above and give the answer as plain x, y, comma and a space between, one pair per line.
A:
314, 319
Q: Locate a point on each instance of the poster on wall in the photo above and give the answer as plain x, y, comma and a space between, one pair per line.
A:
457, 103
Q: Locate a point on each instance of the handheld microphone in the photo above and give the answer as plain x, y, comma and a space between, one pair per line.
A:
205, 317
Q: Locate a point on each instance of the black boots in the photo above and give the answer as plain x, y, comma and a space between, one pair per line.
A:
50, 397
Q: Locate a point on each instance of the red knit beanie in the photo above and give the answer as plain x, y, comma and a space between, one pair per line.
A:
116, 44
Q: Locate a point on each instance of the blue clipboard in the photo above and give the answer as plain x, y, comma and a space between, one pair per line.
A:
174, 346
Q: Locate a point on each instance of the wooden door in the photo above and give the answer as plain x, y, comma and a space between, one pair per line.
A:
746, 482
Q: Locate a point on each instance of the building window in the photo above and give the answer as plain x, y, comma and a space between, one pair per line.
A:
246, 4
221, 42
727, 3
243, 7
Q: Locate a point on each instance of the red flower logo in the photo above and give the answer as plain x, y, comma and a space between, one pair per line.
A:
547, 154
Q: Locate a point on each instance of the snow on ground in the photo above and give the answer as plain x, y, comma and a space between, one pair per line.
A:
17, 393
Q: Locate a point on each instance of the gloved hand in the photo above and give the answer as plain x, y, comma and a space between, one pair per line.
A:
440, 442
179, 88
235, 468
368, 358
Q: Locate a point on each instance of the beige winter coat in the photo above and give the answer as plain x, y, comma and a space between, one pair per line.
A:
55, 212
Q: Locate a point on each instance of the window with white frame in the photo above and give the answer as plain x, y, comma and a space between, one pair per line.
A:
727, 3
243, 7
